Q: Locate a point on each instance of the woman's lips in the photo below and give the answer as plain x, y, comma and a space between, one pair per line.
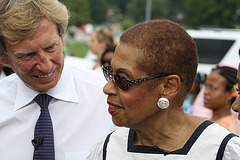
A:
113, 108
205, 101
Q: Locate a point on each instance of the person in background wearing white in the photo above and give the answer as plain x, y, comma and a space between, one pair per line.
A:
101, 39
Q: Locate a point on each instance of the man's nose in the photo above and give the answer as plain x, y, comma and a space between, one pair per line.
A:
44, 63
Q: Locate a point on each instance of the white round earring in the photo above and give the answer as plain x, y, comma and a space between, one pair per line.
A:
163, 103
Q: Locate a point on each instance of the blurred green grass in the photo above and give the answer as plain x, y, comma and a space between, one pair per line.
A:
78, 49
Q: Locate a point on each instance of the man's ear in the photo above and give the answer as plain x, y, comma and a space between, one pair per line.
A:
4, 61
172, 84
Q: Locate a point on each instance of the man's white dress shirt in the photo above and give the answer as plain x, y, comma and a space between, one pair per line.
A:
2, 74
78, 110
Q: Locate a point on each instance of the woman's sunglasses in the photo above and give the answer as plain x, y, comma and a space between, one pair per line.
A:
123, 83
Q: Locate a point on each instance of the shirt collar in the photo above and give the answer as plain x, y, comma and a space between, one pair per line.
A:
65, 90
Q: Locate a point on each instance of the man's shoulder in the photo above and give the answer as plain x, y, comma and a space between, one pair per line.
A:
9, 87
9, 80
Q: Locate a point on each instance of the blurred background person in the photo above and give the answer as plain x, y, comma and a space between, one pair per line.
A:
219, 94
199, 109
101, 39
188, 104
107, 56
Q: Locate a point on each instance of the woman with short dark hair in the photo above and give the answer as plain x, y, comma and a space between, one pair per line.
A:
152, 71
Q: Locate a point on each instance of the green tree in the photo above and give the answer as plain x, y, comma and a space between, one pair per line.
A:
176, 10
121, 4
98, 9
160, 9
136, 10
79, 11
217, 13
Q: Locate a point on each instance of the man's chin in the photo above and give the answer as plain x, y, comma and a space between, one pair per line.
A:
43, 88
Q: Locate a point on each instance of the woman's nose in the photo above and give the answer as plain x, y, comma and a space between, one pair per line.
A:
206, 91
109, 88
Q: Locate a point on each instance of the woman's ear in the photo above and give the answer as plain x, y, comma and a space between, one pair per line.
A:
172, 84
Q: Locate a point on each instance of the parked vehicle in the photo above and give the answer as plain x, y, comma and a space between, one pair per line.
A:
215, 46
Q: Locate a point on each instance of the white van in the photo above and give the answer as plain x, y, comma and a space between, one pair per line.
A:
215, 46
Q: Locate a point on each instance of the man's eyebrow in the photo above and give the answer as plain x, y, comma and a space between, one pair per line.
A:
16, 53
51, 43
19, 53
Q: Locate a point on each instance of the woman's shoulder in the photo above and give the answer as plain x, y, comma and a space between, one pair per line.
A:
232, 150
118, 136
211, 135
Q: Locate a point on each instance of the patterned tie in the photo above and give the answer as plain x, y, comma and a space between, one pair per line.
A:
43, 136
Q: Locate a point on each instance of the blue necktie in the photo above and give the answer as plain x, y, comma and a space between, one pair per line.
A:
43, 135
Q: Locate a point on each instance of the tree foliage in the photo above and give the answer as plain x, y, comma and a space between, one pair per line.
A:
136, 9
217, 13
176, 10
98, 10
121, 4
79, 11
191, 13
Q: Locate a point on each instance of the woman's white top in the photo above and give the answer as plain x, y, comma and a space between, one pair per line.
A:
209, 141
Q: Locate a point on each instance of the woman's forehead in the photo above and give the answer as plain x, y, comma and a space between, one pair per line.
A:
125, 61
125, 54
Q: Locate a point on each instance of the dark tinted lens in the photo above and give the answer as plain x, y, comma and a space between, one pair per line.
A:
119, 80
106, 73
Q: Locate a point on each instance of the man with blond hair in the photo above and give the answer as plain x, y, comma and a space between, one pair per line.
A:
73, 114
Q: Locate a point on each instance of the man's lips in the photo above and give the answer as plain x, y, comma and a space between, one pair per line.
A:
44, 76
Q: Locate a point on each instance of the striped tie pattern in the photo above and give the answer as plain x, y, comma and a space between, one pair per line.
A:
43, 134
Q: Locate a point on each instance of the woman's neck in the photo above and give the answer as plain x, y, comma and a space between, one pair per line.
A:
220, 113
170, 135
